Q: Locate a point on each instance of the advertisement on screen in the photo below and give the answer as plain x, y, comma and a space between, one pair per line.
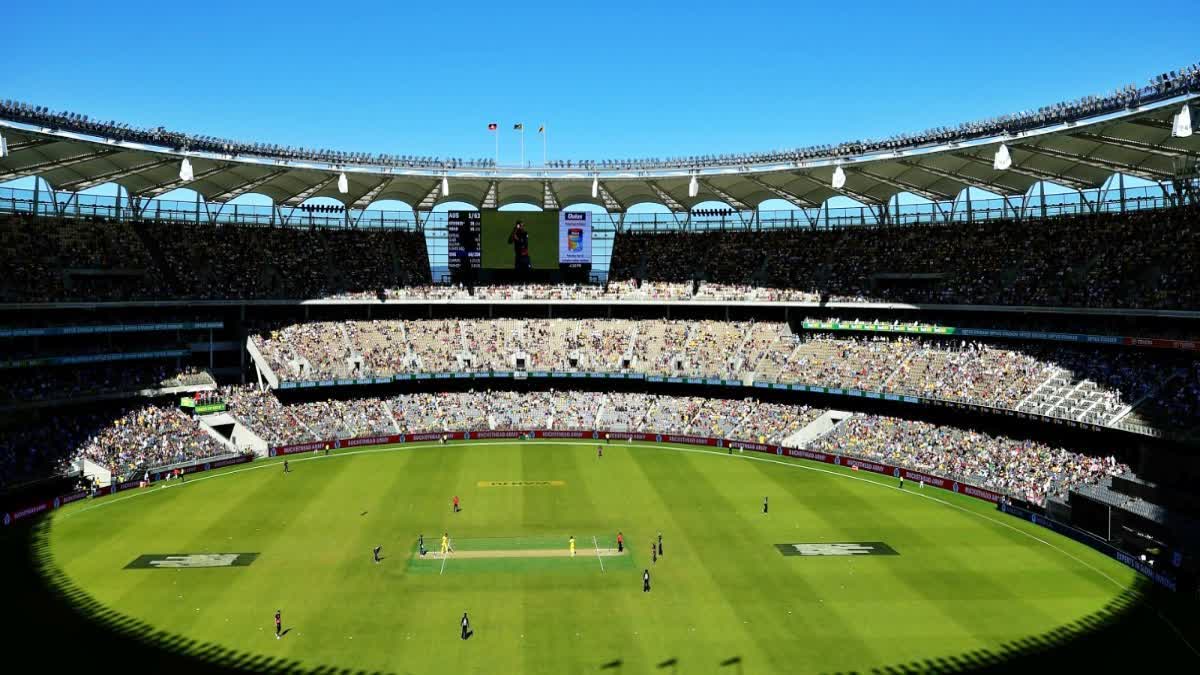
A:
574, 238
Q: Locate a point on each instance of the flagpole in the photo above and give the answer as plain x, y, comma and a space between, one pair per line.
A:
522, 146
496, 136
543, 144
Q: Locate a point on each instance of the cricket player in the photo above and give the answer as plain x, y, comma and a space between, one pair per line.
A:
620, 543
376, 552
445, 542
278, 624
660, 544
286, 468
901, 481
653, 553
645, 581
571, 542
456, 508
421, 544
764, 504
466, 626
599, 451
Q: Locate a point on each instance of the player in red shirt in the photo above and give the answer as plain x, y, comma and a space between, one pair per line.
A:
456, 509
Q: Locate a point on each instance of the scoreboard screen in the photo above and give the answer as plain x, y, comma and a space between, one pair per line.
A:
462, 239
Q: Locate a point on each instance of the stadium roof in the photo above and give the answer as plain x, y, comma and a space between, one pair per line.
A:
1079, 152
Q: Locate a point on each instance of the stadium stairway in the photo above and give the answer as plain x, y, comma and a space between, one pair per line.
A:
102, 476
260, 365
816, 429
239, 438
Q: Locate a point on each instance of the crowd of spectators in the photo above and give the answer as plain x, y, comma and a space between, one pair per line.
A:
123, 440
49, 260
1165, 85
61, 383
745, 420
1139, 259
37, 448
1084, 384
326, 350
137, 438
1020, 468
149, 436
1024, 469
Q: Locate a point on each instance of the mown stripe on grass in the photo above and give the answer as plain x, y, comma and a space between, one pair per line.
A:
755, 604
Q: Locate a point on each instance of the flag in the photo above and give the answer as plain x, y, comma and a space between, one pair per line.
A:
518, 127
492, 126
542, 129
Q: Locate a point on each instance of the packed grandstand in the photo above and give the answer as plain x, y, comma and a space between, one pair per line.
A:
1133, 260
1043, 357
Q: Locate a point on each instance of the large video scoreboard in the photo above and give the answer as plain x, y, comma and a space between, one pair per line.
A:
462, 239
494, 245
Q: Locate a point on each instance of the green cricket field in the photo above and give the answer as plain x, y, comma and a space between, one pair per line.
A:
846, 572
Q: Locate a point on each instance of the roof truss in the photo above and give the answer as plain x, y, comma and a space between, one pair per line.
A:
115, 175
793, 199
52, 164
234, 193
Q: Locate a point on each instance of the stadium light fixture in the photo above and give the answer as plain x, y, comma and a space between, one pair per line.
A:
693, 186
839, 178
1003, 160
445, 186
343, 184
185, 170
595, 186
1182, 127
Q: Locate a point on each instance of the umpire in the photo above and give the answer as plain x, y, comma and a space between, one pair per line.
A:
645, 584
466, 626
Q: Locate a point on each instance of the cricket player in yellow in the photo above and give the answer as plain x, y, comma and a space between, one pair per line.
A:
572, 541
445, 542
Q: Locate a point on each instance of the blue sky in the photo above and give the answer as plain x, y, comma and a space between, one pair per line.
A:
610, 79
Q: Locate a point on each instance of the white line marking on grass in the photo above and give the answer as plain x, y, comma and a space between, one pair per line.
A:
275, 461
598, 557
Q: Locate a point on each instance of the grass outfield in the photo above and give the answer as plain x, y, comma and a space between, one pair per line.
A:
966, 580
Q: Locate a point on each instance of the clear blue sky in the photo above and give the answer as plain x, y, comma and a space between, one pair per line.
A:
609, 79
